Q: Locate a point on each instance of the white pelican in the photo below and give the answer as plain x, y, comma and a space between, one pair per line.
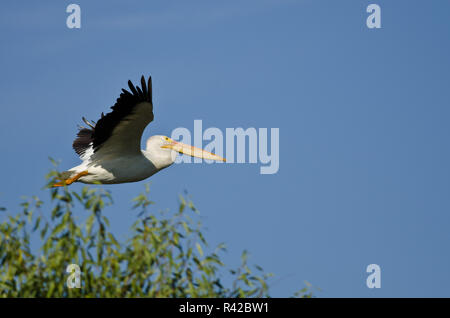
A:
111, 148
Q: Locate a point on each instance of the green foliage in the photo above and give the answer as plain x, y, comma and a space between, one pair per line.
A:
165, 256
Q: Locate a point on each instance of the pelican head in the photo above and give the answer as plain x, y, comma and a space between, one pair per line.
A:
162, 151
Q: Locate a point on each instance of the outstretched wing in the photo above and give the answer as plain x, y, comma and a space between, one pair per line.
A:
119, 132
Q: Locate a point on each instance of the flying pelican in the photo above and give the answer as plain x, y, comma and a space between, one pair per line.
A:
110, 149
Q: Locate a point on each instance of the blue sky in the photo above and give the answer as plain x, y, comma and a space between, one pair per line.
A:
363, 117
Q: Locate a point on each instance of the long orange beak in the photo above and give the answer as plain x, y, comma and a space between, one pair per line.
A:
191, 150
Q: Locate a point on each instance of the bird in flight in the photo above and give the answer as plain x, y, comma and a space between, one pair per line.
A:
110, 149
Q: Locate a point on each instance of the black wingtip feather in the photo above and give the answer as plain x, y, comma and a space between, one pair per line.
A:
140, 93
150, 89
144, 87
83, 141
132, 88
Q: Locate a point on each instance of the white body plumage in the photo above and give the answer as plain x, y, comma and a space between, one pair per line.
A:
127, 167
